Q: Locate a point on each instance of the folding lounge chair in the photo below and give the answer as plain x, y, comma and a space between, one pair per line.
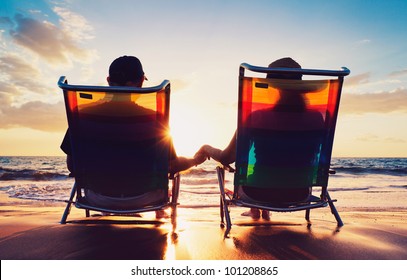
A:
120, 147
283, 147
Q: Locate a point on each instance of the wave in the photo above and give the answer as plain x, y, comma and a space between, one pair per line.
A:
204, 192
9, 174
45, 191
346, 169
348, 189
194, 177
46, 178
398, 186
358, 170
198, 171
200, 181
370, 166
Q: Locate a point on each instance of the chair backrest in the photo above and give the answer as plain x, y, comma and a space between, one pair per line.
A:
119, 137
286, 128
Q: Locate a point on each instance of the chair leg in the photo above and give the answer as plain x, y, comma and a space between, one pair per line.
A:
334, 211
68, 206
174, 200
222, 214
174, 217
307, 215
225, 215
224, 204
228, 220
175, 189
87, 213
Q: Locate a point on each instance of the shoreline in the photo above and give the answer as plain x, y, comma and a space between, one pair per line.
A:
31, 231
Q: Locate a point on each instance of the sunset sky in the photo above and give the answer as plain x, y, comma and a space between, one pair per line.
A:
198, 46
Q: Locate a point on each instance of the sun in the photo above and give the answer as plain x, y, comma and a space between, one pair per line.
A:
185, 131
193, 126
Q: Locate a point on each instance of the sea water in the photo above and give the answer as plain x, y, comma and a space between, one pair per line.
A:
359, 183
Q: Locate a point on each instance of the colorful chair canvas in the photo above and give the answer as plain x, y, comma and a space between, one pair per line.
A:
285, 133
120, 147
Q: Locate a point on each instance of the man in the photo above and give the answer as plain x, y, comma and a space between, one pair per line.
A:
128, 71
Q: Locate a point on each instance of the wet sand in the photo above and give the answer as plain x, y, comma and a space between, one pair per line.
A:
31, 231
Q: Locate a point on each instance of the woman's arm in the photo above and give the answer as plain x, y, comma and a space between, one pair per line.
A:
226, 156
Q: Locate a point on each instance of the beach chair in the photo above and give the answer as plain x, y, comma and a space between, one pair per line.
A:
283, 147
120, 148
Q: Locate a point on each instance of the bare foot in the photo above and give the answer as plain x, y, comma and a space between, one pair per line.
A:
253, 212
161, 214
265, 215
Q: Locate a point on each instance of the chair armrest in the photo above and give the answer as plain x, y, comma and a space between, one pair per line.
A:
228, 168
173, 175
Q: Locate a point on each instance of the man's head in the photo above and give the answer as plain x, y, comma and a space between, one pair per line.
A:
286, 62
126, 71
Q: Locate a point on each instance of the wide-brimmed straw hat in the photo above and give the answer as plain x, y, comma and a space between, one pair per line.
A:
292, 82
298, 86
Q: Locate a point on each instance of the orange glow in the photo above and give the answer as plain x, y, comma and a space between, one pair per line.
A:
184, 132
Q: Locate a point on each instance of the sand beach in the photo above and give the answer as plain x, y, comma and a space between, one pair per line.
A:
30, 230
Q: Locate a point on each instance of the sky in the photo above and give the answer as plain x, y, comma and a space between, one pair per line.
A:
198, 46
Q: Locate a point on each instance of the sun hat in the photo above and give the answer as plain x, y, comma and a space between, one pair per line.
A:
292, 82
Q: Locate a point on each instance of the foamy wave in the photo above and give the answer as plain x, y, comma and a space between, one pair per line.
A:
202, 192
199, 181
198, 171
46, 178
370, 166
366, 170
197, 206
36, 191
398, 186
348, 189
9, 174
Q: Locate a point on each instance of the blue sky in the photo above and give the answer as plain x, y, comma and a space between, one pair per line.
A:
198, 46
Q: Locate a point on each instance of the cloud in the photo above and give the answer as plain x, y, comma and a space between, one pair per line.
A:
52, 43
369, 137
385, 102
20, 79
18, 75
6, 21
27, 97
36, 114
397, 74
362, 42
74, 25
357, 79
179, 84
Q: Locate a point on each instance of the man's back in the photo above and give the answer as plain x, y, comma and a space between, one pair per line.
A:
120, 148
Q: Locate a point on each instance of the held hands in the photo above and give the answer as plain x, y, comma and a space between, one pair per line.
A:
199, 158
209, 152
201, 155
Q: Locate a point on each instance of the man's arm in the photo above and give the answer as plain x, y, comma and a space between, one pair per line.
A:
182, 163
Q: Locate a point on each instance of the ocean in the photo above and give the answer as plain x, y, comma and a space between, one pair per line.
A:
359, 183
